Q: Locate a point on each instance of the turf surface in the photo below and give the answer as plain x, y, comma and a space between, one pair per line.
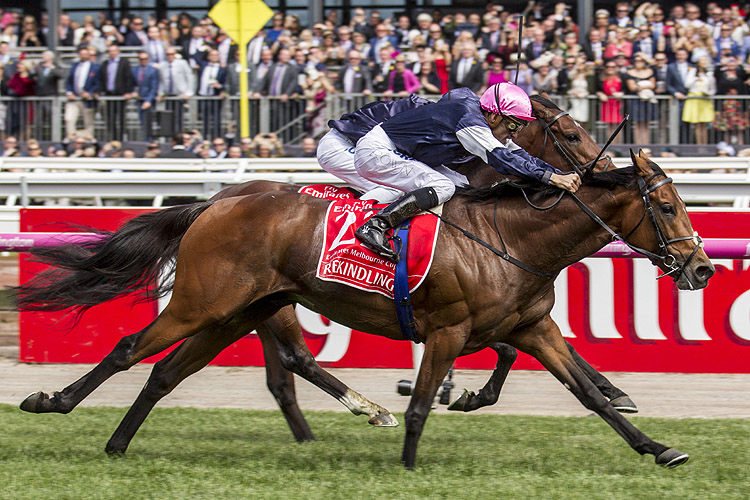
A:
189, 453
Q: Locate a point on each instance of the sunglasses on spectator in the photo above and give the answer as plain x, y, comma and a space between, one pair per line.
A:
610, 66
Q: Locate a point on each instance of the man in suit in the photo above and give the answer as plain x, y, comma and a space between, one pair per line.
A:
676, 75
64, 31
115, 80
81, 85
644, 43
137, 36
467, 70
179, 147
594, 47
155, 46
281, 81
381, 72
492, 38
660, 73
177, 82
354, 77
195, 48
49, 76
211, 81
537, 46
382, 39
147, 82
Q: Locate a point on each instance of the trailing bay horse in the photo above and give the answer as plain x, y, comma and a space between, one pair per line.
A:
571, 145
244, 258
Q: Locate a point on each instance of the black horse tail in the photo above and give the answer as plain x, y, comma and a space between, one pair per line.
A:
131, 259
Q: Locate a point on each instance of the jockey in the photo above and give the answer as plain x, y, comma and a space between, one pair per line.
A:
403, 153
336, 148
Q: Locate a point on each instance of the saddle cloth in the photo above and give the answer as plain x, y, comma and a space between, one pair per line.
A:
344, 260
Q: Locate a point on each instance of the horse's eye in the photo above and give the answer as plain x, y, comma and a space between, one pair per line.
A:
667, 209
572, 138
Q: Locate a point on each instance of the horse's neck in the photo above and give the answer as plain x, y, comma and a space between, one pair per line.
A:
554, 239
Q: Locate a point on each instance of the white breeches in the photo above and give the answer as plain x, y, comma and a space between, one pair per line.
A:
376, 159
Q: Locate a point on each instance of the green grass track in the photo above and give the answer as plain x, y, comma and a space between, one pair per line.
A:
185, 453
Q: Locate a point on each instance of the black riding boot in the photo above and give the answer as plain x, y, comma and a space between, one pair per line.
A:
372, 232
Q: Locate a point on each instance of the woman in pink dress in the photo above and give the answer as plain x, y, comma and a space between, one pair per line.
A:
496, 73
609, 94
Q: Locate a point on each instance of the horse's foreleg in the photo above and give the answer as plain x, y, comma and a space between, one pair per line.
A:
436, 361
296, 357
617, 398
279, 380
545, 342
489, 394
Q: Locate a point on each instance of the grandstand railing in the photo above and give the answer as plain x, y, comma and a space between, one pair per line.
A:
43, 118
28, 181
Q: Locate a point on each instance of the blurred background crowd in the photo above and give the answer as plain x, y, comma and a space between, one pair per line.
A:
141, 86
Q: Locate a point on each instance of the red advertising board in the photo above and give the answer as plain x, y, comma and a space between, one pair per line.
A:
612, 310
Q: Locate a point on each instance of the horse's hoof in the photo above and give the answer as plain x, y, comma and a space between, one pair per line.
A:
383, 419
672, 458
460, 403
624, 404
111, 453
33, 402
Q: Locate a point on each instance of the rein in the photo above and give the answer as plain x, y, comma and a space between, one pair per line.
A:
664, 256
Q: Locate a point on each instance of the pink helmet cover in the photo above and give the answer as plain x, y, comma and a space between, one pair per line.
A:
507, 99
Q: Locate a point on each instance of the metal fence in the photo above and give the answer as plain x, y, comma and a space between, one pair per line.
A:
53, 118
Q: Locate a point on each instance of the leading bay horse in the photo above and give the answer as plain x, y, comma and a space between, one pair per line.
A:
571, 145
244, 258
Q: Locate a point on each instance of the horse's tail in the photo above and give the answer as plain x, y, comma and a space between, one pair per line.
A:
128, 260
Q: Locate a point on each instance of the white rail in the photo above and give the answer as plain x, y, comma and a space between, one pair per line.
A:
101, 182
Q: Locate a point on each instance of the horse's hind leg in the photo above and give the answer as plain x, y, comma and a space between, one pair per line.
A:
489, 394
296, 357
506, 355
280, 381
545, 342
190, 357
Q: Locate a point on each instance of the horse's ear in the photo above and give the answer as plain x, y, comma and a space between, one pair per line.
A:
545, 95
640, 163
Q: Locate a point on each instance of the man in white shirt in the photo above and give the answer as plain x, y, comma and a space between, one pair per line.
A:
155, 46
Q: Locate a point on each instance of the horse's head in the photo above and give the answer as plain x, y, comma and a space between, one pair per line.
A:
663, 228
557, 138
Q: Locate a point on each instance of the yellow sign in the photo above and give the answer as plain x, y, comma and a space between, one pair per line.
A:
241, 19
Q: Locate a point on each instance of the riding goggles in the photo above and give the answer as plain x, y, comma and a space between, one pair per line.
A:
513, 125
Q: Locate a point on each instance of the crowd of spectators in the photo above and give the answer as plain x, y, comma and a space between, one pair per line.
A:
639, 50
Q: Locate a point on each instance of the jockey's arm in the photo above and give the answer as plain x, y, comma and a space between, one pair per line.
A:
508, 159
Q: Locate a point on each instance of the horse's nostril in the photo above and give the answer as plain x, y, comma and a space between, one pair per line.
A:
704, 272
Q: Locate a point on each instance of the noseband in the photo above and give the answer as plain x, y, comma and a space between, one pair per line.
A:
667, 259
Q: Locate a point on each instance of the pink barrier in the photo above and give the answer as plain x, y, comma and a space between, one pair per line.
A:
716, 248
20, 242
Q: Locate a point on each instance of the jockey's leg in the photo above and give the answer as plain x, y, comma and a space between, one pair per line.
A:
336, 156
376, 159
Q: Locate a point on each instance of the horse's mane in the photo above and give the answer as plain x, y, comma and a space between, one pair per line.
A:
611, 179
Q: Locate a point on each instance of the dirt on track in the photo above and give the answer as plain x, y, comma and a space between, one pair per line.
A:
526, 392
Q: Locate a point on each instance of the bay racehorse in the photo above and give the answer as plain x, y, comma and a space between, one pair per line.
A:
244, 258
571, 145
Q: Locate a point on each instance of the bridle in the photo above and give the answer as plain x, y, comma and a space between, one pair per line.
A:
665, 257
579, 168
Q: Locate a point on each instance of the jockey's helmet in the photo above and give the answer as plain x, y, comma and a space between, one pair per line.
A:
507, 99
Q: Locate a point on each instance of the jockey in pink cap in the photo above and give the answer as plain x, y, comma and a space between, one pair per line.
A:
413, 153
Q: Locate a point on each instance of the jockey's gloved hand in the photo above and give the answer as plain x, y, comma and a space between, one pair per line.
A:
569, 182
